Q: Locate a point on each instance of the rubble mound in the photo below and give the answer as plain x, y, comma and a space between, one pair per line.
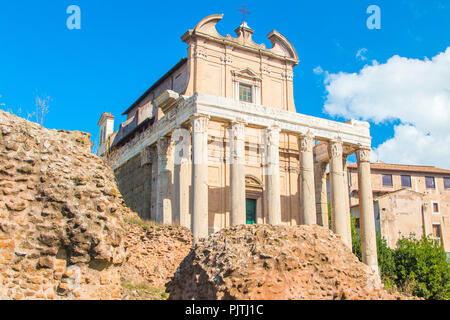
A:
65, 232
274, 262
61, 216
153, 253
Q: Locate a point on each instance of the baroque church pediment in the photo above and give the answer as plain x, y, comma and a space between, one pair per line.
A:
281, 46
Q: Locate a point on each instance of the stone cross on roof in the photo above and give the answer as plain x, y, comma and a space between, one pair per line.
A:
244, 12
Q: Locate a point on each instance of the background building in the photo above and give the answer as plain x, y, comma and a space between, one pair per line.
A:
407, 199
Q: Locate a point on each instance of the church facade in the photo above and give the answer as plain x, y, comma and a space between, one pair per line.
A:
217, 142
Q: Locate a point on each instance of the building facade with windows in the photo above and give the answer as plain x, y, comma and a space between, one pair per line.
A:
407, 199
217, 142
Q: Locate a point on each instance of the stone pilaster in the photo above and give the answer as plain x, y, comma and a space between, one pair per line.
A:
366, 212
273, 175
237, 161
308, 197
164, 182
199, 197
320, 173
338, 214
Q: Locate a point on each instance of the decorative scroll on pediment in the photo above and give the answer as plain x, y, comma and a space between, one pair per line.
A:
280, 44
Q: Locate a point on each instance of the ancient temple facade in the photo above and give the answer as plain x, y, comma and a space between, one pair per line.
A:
217, 142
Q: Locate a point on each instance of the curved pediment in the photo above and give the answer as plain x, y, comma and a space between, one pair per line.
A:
252, 181
280, 45
208, 25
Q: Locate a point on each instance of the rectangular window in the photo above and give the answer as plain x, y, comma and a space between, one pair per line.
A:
437, 231
435, 206
387, 180
447, 183
406, 181
429, 182
245, 93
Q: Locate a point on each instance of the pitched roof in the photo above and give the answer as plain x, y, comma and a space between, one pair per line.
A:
157, 83
402, 167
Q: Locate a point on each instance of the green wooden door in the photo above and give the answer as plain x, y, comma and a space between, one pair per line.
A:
251, 211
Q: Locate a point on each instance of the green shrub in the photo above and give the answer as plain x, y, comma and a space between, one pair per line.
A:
386, 263
416, 267
421, 268
356, 239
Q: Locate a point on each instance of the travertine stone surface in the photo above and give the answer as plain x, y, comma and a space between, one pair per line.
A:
338, 212
182, 177
237, 183
320, 175
199, 177
308, 196
273, 176
164, 181
368, 236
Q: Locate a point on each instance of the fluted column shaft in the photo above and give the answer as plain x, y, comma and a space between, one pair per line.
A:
367, 219
338, 213
237, 155
273, 176
308, 197
199, 177
163, 197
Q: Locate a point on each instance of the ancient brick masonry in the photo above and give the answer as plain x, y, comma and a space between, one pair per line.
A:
61, 216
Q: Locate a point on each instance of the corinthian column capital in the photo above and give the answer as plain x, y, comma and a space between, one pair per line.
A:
363, 154
273, 136
163, 145
306, 142
200, 123
238, 129
335, 149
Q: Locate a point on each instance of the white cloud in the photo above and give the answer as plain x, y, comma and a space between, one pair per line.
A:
317, 70
413, 92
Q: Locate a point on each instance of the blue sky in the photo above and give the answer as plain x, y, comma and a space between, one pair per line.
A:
124, 46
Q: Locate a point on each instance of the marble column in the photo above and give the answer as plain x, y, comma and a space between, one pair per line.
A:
367, 219
237, 161
338, 214
308, 196
164, 182
347, 198
320, 172
273, 175
182, 177
199, 199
